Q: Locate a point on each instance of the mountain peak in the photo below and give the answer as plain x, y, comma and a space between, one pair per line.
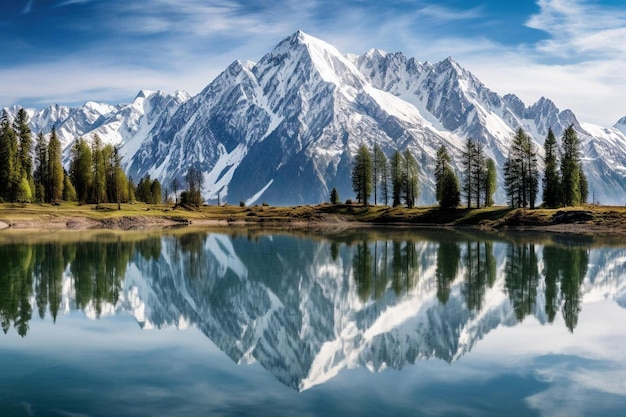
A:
376, 53
331, 65
621, 125
144, 94
311, 42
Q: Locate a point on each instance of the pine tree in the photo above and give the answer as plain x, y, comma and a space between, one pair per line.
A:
334, 196
379, 171
490, 182
532, 173
117, 188
81, 170
99, 170
478, 172
584, 185
442, 162
469, 168
450, 195
41, 168
395, 174
551, 183
155, 192
56, 175
571, 171
446, 182
193, 195
25, 144
8, 147
362, 175
384, 185
410, 179
69, 192
521, 172
143, 189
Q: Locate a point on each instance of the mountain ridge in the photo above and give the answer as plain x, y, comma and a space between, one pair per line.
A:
284, 129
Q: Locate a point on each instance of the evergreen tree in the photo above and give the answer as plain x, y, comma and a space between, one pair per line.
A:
117, 188
410, 179
490, 182
24, 192
69, 192
450, 194
469, 168
144, 192
193, 195
573, 181
446, 182
155, 192
41, 168
334, 196
384, 185
81, 170
521, 172
56, 175
25, 144
395, 173
478, 172
8, 149
362, 175
379, 171
532, 173
551, 183
442, 162
584, 185
99, 170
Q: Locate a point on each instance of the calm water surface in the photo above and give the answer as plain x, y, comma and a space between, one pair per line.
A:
411, 322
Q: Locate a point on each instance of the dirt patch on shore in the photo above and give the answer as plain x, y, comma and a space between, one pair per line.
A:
83, 223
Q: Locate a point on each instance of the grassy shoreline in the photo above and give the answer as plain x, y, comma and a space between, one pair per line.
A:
586, 219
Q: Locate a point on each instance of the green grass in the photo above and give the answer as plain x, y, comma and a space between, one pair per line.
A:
324, 214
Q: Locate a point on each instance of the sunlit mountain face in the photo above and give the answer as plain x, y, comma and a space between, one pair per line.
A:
284, 130
309, 308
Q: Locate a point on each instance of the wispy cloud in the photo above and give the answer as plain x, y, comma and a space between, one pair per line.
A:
185, 44
28, 7
70, 2
580, 29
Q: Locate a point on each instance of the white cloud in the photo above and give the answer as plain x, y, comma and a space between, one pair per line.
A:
28, 7
578, 28
184, 45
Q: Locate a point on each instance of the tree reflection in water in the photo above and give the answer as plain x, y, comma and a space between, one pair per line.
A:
35, 273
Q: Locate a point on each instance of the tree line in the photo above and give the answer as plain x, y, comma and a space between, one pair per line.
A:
564, 182
376, 174
95, 173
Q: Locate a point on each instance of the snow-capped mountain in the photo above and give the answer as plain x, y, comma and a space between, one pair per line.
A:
284, 130
306, 309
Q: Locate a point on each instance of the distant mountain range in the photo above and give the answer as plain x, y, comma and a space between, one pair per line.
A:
284, 130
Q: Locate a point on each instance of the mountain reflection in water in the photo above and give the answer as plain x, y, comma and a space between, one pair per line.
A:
307, 307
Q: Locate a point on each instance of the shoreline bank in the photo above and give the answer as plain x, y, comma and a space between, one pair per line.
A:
578, 220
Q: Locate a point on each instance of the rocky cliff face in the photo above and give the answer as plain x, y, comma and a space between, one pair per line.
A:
284, 130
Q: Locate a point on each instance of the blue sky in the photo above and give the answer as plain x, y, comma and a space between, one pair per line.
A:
71, 51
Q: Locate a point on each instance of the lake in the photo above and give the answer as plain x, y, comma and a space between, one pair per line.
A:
235, 322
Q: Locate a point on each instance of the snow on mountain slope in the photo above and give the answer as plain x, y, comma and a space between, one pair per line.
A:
284, 130
603, 156
621, 125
